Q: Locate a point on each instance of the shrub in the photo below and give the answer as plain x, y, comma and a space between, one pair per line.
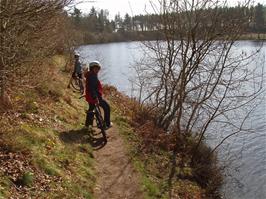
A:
206, 171
50, 90
26, 179
31, 106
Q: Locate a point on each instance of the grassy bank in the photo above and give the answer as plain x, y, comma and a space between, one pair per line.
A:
44, 152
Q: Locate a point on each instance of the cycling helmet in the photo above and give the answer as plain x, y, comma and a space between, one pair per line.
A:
85, 67
94, 63
77, 55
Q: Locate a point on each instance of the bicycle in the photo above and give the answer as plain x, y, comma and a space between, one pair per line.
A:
99, 121
97, 116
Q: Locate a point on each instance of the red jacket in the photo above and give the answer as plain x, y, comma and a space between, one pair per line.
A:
94, 88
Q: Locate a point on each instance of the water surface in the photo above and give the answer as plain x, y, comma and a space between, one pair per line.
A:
244, 154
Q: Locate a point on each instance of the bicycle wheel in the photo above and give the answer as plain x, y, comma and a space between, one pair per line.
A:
100, 122
76, 84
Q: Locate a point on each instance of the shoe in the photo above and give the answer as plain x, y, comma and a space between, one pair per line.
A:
109, 126
87, 128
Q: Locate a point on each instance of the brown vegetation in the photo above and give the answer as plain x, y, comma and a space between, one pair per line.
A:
31, 93
30, 31
152, 141
35, 158
195, 80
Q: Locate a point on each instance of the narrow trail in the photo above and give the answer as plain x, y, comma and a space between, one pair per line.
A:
116, 177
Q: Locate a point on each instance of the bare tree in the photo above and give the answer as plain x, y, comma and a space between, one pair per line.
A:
196, 78
28, 29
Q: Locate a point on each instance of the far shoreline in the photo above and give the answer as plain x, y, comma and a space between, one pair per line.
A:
142, 36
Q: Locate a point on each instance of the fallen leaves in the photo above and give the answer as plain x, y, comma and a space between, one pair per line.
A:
17, 167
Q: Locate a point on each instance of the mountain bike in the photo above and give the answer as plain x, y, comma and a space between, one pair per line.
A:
97, 116
99, 121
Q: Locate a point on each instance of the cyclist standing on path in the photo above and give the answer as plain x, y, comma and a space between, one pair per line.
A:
77, 67
77, 73
93, 94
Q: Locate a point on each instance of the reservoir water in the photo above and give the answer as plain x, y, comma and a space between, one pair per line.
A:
245, 154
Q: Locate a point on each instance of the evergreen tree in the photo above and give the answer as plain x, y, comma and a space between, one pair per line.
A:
259, 18
127, 22
119, 23
77, 16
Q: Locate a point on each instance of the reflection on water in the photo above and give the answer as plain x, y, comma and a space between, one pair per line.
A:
246, 153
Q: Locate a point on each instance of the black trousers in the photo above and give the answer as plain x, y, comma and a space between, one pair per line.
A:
106, 109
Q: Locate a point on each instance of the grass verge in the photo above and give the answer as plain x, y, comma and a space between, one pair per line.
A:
44, 152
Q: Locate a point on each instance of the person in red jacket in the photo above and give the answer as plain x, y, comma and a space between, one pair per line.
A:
94, 95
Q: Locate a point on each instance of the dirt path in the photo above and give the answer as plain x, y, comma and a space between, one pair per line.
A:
116, 177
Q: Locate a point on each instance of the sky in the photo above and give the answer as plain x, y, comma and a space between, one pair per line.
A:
132, 7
